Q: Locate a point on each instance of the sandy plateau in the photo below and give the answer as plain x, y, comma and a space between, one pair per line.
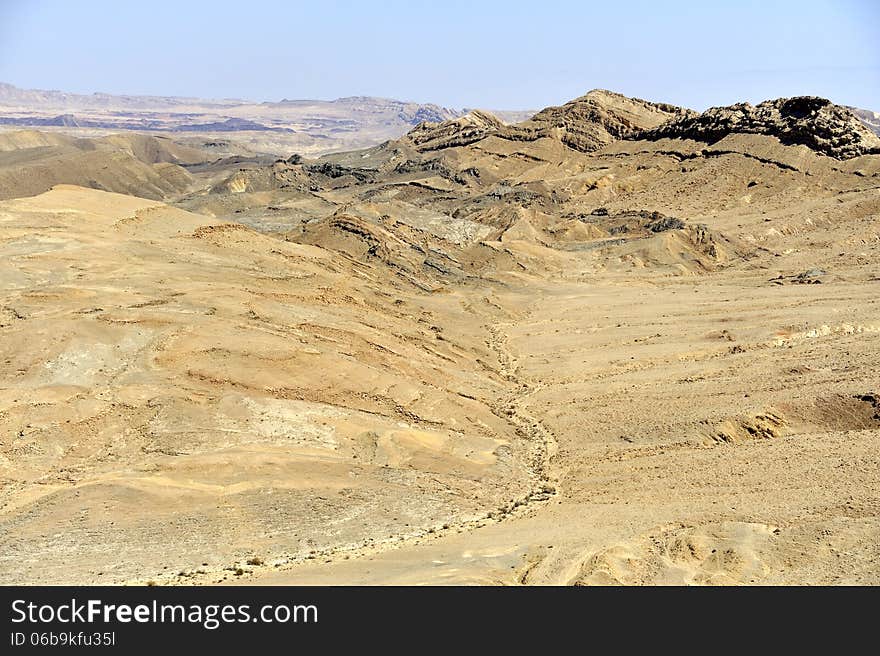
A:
608, 345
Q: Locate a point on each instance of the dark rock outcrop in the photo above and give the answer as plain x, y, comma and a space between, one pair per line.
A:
333, 171
814, 122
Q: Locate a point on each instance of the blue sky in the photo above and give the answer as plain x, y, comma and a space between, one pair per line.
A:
504, 55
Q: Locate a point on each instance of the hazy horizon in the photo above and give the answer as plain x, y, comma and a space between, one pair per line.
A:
494, 55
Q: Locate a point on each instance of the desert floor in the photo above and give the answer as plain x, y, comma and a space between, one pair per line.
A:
189, 401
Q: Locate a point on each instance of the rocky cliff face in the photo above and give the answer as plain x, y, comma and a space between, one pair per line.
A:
804, 120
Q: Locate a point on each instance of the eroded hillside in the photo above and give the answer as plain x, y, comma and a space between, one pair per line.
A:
620, 342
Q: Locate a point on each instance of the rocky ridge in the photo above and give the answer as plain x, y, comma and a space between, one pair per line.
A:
592, 121
460, 131
810, 121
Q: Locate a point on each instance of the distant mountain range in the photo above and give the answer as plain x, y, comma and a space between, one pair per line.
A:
869, 118
307, 126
